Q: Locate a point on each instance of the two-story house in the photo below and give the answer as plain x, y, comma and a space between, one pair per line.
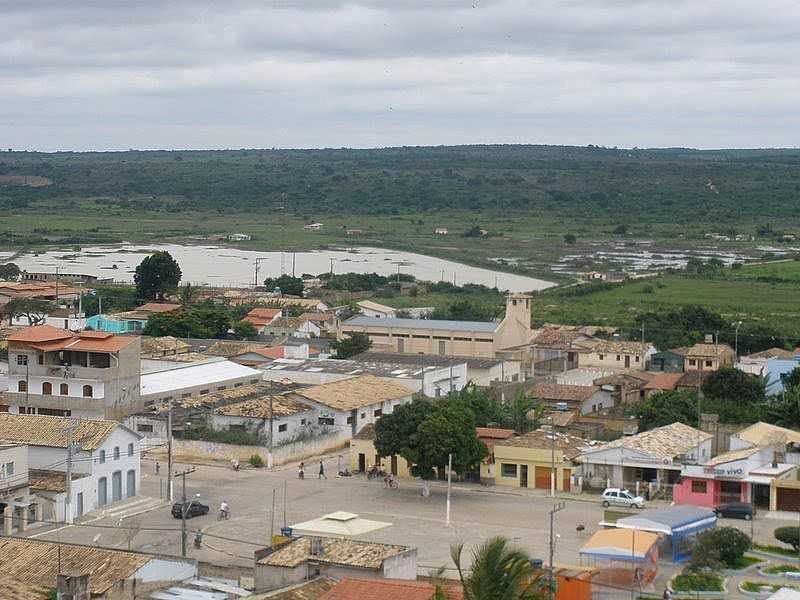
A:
708, 357
104, 458
92, 374
13, 484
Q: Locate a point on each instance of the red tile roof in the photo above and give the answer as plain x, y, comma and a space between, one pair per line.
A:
563, 392
264, 313
386, 589
663, 381
51, 339
494, 433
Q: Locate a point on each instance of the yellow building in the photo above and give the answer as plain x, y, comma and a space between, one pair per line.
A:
527, 460
363, 455
447, 338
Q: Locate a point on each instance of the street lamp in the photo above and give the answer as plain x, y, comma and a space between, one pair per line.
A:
736, 342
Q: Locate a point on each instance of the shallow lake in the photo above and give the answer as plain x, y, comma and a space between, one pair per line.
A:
220, 266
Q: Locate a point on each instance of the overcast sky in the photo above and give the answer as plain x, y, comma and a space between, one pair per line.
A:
118, 74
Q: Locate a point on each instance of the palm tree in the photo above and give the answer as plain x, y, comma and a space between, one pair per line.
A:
499, 572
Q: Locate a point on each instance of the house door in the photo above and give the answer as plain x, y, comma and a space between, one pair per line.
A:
116, 486
394, 464
79, 505
566, 477
102, 492
523, 476
627, 362
400, 345
543, 477
788, 499
362, 462
130, 488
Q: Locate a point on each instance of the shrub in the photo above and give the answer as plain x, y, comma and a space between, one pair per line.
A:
723, 545
648, 289
256, 461
789, 536
695, 581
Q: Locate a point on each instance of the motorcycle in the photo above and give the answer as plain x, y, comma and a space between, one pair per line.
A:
376, 473
198, 540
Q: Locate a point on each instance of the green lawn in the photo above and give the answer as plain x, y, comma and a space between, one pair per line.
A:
782, 550
697, 582
745, 561
778, 569
757, 587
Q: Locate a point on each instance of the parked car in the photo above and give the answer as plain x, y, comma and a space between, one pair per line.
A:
193, 508
735, 510
620, 497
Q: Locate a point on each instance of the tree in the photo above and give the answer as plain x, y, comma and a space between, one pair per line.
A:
448, 431
9, 271
784, 410
665, 408
466, 310
733, 385
293, 286
243, 330
487, 410
523, 413
570, 238
204, 320
33, 309
156, 275
722, 546
789, 535
396, 432
354, 343
791, 379
498, 572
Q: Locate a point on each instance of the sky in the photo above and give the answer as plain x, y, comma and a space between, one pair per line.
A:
119, 74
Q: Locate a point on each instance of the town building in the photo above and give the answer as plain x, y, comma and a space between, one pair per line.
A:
582, 398
64, 318
538, 459
437, 377
310, 556
96, 573
291, 326
53, 291
446, 338
441, 231
163, 346
163, 381
239, 237
260, 356
555, 349
708, 356
61, 277
370, 589
253, 408
326, 321
364, 457
131, 321
650, 460
661, 382
610, 354
14, 485
666, 361
105, 454
259, 318
355, 402
91, 374
369, 308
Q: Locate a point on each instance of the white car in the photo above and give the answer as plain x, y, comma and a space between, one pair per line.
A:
621, 498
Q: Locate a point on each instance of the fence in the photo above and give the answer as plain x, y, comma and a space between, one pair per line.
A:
280, 455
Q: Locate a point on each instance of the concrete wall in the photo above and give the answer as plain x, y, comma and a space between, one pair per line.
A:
268, 578
17, 456
367, 448
295, 425
615, 360
401, 566
533, 458
281, 455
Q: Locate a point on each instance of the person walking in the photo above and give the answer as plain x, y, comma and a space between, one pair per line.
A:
158, 468
322, 471
301, 470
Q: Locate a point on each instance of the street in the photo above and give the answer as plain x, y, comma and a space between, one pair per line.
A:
478, 513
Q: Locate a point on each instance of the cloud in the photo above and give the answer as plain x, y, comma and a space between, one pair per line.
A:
152, 74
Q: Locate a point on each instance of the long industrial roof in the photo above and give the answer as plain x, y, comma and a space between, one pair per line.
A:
437, 324
181, 375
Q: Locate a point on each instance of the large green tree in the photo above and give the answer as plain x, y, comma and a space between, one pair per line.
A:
498, 572
488, 410
397, 432
9, 271
204, 320
666, 408
293, 286
784, 410
350, 345
156, 275
733, 385
33, 309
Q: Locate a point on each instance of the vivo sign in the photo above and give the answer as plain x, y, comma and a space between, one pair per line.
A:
724, 472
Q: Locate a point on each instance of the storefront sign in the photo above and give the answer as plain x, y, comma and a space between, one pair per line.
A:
723, 472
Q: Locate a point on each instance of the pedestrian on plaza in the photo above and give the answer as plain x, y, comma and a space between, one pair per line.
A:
322, 471
667, 595
158, 468
301, 470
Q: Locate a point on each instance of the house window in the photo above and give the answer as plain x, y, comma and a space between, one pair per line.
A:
9, 468
508, 470
22, 359
40, 359
325, 421
692, 362
22, 386
709, 363
186, 395
204, 391
144, 428
302, 421
116, 452
377, 412
363, 415
699, 486
47, 389
283, 427
350, 420
602, 357
637, 359
88, 392
102, 456
130, 449
619, 358
63, 389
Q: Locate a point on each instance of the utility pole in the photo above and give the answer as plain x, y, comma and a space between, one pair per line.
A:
269, 455
57, 287
551, 588
643, 352
169, 452
68, 487
183, 475
449, 472
552, 459
736, 343
272, 518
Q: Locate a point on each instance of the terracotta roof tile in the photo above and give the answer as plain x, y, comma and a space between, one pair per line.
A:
335, 551
157, 307
36, 563
494, 433
570, 445
40, 333
664, 443
311, 590
663, 381
563, 392
40, 430
709, 350
51, 339
50, 481
258, 408
773, 353
14, 589
382, 589
348, 394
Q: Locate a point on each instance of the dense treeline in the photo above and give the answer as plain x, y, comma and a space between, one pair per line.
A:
671, 185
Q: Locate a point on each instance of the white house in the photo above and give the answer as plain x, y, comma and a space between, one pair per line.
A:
353, 403
63, 318
374, 309
615, 354
105, 458
653, 458
13, 483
